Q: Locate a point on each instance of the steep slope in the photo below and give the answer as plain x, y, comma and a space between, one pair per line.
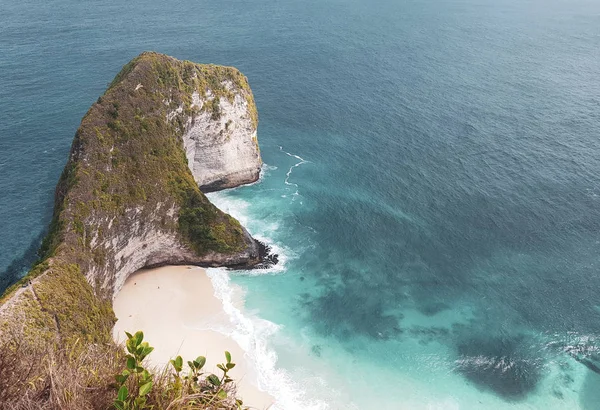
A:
129, 195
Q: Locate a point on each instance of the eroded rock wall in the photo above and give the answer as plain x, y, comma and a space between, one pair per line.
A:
222, 147
146, 242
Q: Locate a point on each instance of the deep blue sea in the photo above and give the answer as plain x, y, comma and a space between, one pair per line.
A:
432, 184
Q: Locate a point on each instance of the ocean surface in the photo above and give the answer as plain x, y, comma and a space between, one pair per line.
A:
431, 183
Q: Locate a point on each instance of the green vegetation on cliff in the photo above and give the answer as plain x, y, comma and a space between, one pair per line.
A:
137, 155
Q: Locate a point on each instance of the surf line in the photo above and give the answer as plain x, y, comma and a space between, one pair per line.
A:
289, 173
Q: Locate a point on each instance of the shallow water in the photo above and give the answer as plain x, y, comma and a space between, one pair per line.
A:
432, 183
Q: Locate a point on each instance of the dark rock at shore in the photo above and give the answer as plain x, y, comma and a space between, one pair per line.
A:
267, 258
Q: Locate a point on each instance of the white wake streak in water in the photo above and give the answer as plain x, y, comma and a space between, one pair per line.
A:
289, 173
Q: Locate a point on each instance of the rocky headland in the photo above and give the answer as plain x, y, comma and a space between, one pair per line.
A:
131, 196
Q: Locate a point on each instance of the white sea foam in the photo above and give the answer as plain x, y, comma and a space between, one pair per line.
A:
253, 334
289, 173
261, 230
265, 170
235, 207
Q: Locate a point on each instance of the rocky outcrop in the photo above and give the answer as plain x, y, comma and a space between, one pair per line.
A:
145, 244
223, 152
130, 196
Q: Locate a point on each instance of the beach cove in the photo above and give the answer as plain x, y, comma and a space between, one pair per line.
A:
176, 308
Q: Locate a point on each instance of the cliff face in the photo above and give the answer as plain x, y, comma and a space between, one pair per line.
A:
129, 196
221, 144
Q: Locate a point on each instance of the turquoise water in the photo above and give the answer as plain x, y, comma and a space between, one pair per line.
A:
432, 184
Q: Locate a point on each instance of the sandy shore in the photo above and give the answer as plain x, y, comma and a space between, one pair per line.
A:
176, 309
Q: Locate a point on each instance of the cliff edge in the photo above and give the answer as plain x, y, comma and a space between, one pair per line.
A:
131, 195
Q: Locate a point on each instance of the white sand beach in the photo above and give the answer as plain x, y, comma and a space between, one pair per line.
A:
176, 309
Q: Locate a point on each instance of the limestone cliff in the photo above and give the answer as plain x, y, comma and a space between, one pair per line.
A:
220, 143
129, 196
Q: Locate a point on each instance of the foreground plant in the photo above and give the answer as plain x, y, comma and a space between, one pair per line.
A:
191, 390
142, 379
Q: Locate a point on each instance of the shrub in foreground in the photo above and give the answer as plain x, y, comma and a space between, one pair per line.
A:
81, 376
173, 388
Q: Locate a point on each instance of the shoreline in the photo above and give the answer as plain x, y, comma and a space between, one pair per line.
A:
176, 308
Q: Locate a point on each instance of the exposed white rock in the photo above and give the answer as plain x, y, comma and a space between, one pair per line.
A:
144, 244
173, 114
222, 152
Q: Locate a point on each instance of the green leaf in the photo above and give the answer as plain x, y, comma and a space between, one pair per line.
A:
230, 366
220, 366
222, 394
139, 351
129, 336
147, 351
140, 402
144, 380
228, 356
119, 405
131, 362
200, 362
146, 375
123, 392
177, 363
145, 388
130, 346
214, 380
122, 378
139, 336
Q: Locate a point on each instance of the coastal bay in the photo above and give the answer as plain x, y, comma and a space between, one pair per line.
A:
431, 173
